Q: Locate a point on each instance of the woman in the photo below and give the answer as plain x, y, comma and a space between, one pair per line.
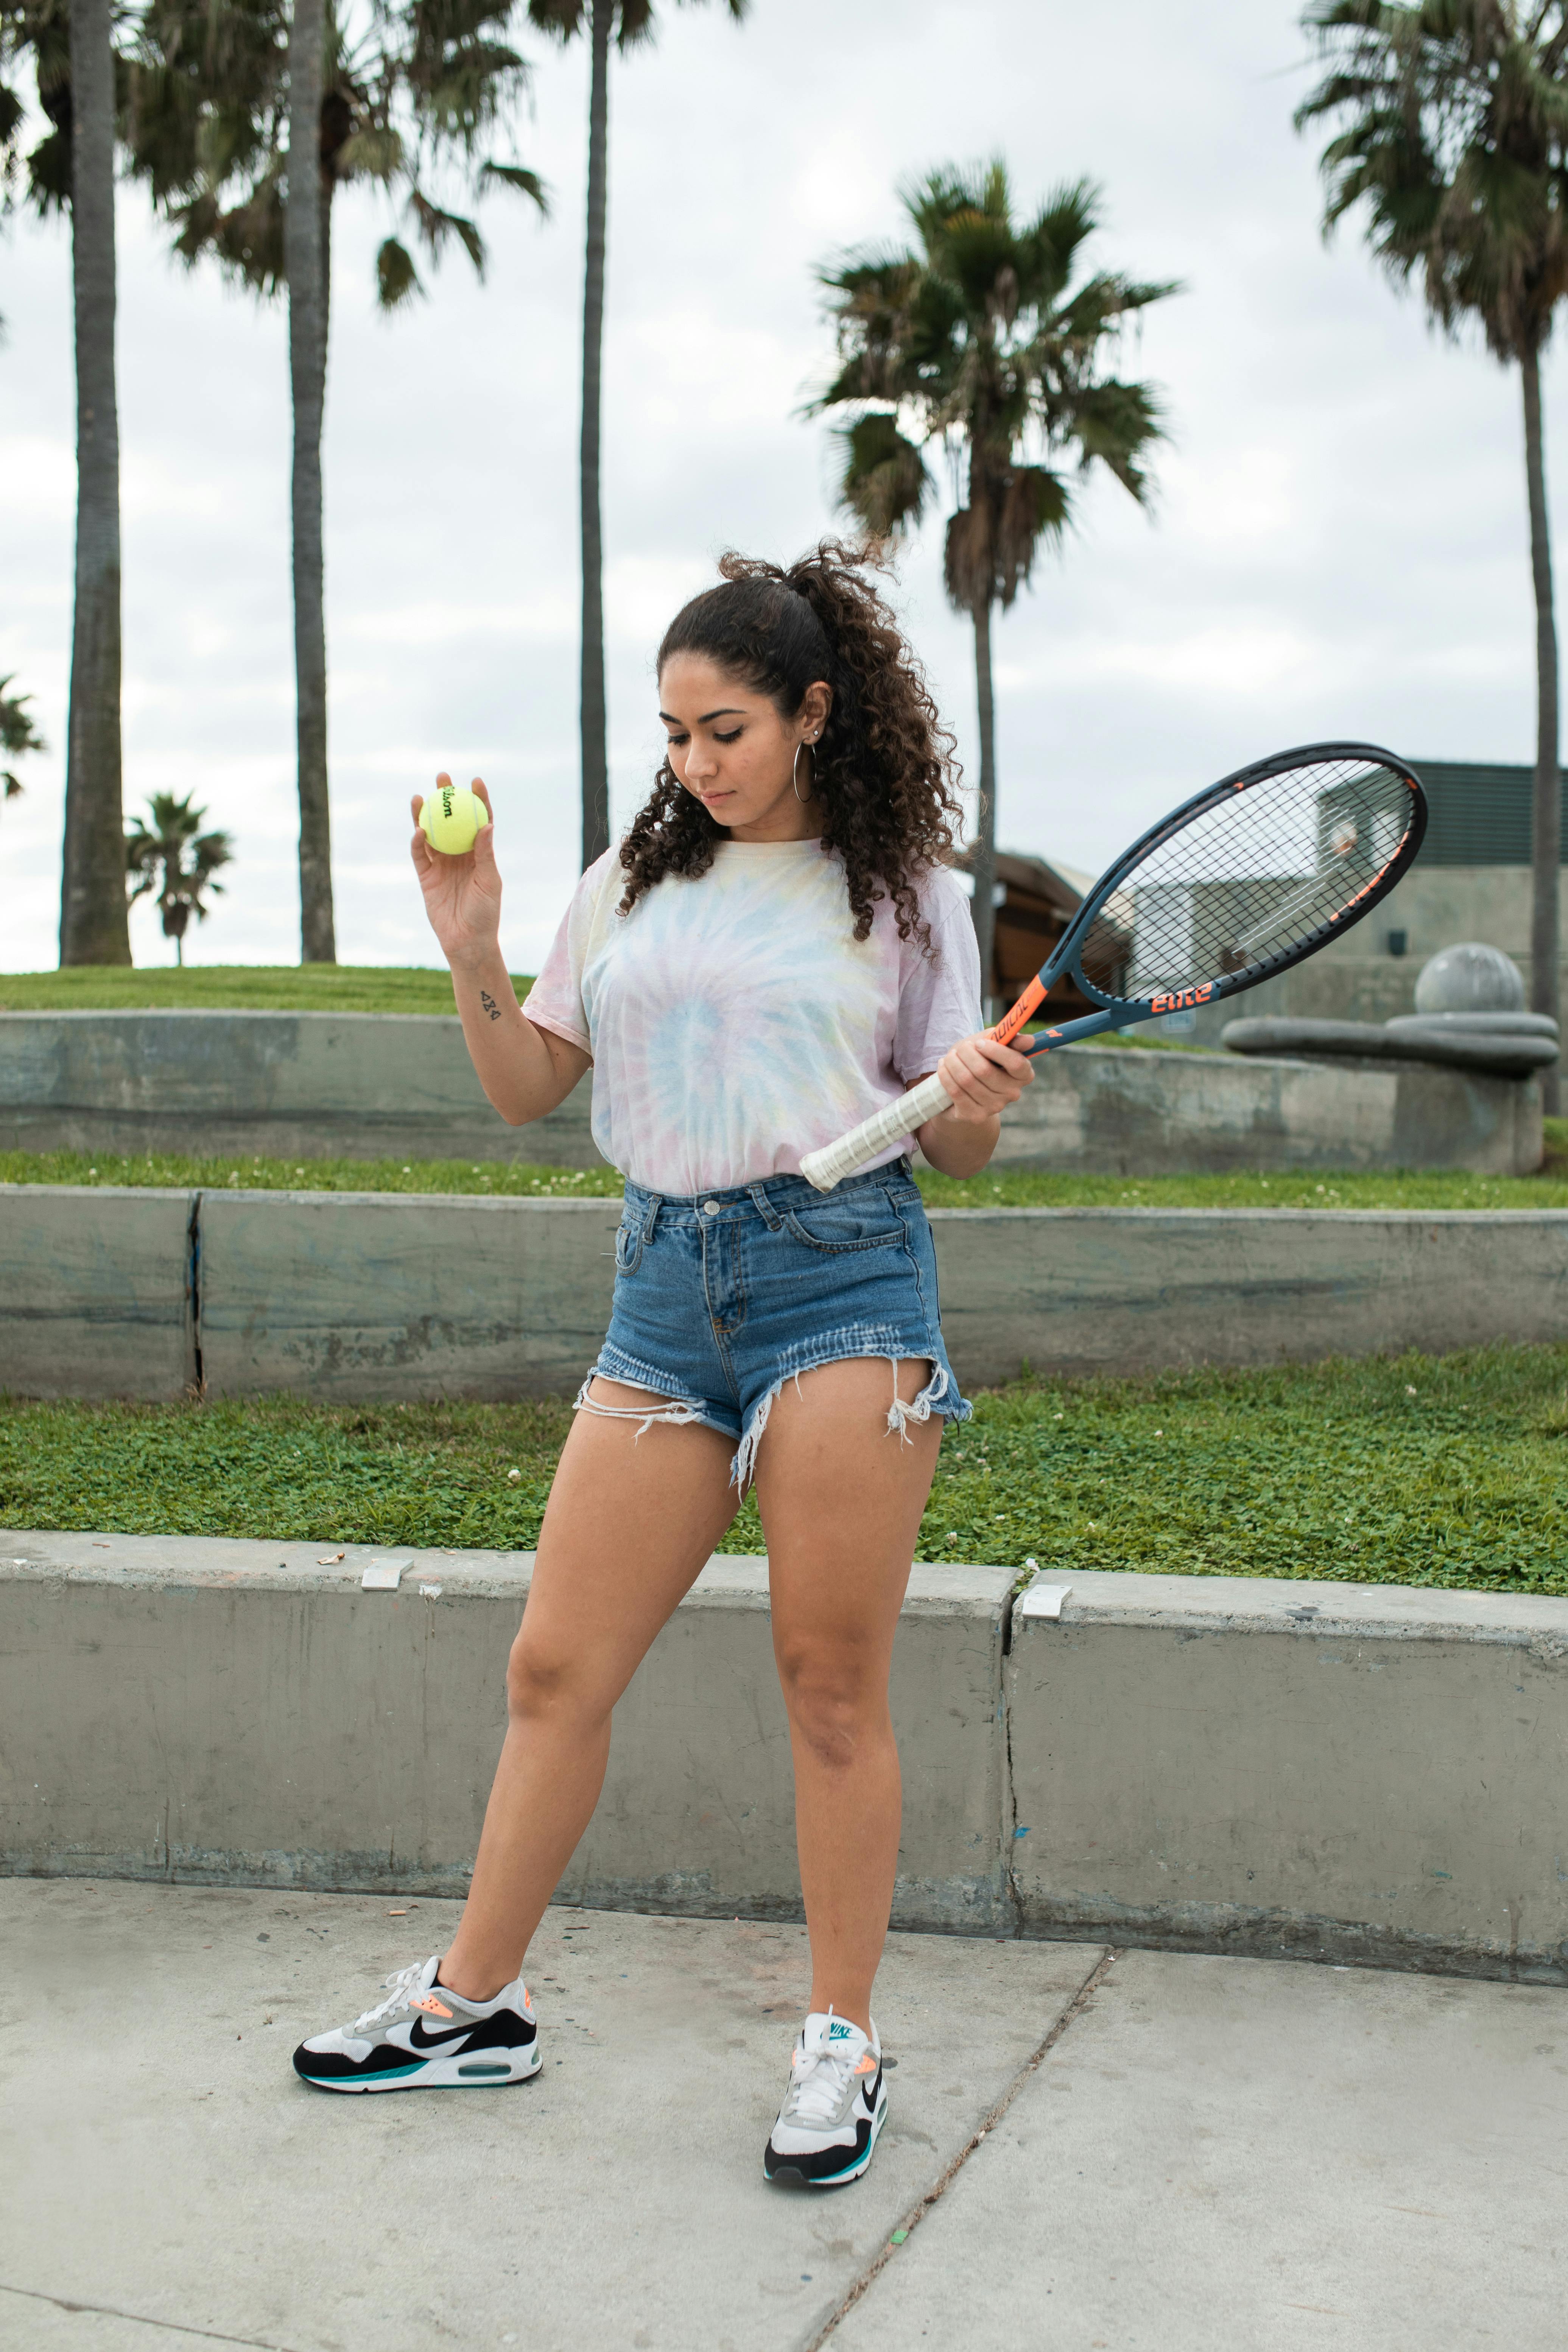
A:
775, 951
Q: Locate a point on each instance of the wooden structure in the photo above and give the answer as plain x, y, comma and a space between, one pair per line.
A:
1037, 902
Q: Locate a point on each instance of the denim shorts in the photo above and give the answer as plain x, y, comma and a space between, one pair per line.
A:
720, 1297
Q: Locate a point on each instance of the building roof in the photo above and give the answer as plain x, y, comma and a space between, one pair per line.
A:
1478, 814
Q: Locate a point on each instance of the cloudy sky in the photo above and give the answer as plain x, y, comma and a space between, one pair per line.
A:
1338, 546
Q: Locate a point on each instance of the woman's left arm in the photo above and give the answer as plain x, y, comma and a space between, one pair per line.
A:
983, 1078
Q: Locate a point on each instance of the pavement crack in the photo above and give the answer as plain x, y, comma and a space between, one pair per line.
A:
1081, 2000
144, 2319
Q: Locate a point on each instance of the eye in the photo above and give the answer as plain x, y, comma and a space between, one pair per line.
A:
732, 736
673, 742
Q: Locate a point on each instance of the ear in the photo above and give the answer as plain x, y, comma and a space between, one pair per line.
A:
815, 704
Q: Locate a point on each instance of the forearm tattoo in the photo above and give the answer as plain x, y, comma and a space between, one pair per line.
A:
490, 1004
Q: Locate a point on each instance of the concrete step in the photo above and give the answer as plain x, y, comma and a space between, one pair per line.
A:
119, 1291
1325, 1771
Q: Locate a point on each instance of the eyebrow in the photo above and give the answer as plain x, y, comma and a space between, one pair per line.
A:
729, 710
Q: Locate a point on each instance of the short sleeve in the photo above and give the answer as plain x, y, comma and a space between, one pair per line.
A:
939, 993
555, 1000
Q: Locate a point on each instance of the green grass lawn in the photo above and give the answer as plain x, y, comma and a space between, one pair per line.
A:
234, 987
1409, 1470
1332, 1189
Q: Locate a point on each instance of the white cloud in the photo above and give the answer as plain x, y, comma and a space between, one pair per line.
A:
1338, 544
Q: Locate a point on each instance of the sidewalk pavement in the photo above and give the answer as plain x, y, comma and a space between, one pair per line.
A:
1209, 2156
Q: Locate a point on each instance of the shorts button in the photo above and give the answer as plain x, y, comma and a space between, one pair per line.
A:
709, 1207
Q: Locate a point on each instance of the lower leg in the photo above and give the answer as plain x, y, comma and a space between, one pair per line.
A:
848, 1803
841, 1498
632, 1516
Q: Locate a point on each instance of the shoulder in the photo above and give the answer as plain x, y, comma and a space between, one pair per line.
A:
942, 895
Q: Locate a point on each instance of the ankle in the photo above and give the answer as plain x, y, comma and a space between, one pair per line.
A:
853, 2013
468, 1981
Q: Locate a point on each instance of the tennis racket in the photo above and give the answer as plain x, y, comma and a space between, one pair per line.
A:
1248, 878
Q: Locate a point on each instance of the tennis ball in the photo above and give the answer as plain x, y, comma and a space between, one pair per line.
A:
450, 818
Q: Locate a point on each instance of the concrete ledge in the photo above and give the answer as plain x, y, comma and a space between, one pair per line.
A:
1322, 1772
238, 1713
357, 1085
345, 1296
1109, 1112
1131, 1290
1356, 1773
376, 1086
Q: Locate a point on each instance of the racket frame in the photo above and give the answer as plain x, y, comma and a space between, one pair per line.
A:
1124, 1013
830, 1165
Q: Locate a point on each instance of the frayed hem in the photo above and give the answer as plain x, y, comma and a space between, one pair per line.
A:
674, 1412
932, 1399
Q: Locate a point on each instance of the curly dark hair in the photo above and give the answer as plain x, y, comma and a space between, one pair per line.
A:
883, 767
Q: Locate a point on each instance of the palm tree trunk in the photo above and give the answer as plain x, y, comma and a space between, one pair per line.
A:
596, 765
985, 864
1546, 814
94, 921
303, 241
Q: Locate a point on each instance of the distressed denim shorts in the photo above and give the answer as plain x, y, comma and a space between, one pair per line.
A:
723, 1297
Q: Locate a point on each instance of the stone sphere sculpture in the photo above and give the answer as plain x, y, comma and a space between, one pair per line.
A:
1470, 977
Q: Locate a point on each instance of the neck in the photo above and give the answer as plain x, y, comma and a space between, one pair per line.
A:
789, 819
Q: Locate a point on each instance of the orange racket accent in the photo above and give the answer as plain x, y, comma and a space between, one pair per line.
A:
1007, 1028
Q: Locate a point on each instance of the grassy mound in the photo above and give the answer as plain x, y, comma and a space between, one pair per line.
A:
235, 988
1447, 1471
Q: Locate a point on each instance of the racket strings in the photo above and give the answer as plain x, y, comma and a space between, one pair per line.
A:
1251, 878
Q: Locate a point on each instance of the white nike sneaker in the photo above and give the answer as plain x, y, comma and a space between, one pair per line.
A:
836, 2105
424, 2035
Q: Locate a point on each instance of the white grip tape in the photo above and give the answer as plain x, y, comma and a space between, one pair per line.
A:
836, 1160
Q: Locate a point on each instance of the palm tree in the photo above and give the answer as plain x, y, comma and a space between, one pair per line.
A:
627, 22
1456, 125
175, 858
18, 736
221, 93
74, 60
984, 340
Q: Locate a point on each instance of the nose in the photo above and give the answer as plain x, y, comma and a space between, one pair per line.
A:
700, 763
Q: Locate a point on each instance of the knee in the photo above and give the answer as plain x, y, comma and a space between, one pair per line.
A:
837, 1704
545, 1683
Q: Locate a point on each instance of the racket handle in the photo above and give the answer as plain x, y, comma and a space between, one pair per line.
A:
836, 1160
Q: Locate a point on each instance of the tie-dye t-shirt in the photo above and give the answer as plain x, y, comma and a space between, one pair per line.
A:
735, 1021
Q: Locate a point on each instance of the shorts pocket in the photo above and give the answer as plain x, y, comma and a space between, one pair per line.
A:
837, 1227
628, 1246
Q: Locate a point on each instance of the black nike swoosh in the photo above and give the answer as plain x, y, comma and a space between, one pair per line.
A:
421, 2038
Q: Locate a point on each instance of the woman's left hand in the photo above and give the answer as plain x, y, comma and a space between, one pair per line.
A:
983, 1077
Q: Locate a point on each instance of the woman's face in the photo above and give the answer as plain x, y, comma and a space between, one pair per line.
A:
729, 746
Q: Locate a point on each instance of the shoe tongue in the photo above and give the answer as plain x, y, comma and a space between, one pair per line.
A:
825, 2031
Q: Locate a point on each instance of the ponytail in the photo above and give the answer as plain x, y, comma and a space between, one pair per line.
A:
883, 765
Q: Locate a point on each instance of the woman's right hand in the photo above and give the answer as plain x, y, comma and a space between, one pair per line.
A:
462, 894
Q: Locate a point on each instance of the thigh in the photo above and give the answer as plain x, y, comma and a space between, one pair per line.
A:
841, 1498
631, 1521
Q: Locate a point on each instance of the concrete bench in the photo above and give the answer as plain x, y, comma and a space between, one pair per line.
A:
1324, 1771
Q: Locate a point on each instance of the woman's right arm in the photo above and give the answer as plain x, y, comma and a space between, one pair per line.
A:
524, 1071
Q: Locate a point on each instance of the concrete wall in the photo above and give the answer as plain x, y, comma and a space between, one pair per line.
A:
372, 1086
357, 1085
1321, 1772
238, 1712
341, 1296
1118, 1112
1315, 1771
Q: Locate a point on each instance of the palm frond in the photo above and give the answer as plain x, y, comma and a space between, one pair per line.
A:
396, 280
884, 481
527, 184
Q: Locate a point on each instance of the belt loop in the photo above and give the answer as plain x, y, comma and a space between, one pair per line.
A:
650, 1216
764, 1207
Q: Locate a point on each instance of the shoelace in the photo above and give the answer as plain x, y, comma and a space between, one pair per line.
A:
401, 1985
818, 2079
